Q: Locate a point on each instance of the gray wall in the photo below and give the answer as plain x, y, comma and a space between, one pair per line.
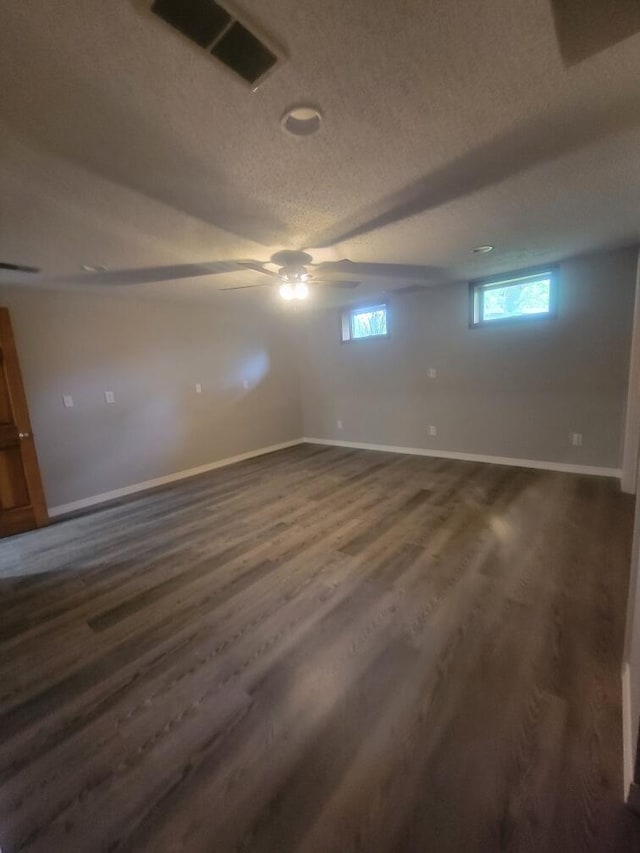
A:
512, 391
150, 354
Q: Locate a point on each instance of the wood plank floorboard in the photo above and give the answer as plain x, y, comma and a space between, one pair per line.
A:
322, 650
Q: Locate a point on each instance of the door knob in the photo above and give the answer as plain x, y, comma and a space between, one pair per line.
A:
24, 435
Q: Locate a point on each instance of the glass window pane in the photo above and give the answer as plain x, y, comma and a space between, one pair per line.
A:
517, 300
369, 322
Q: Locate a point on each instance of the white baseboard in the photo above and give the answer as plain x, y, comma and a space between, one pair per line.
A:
63, 509
628, 736
565, 467
93, 500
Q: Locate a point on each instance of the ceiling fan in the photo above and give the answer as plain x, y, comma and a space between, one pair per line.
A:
18, 268
295, 274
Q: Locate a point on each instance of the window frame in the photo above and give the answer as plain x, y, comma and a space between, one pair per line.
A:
501, 280
346, 322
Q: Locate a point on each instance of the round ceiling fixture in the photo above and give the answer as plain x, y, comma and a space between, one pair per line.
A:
302, 120
483, 250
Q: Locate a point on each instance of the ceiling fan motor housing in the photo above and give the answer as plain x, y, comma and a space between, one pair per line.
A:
293, 273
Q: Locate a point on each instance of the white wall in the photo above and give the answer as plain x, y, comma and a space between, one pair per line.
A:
631, 660
150, 354
629, 482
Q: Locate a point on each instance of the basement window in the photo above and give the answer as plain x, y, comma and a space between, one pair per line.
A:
364, 322
515, 297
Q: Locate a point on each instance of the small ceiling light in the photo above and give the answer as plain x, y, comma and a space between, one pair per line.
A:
483, 250
89, 268
286, 291
301, 121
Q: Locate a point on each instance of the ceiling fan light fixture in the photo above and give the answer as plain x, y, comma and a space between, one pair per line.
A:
286, 291
294, 274
483, 250
299, 290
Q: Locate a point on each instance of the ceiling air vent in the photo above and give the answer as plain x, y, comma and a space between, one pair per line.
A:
586, 27
214, 28
245, 54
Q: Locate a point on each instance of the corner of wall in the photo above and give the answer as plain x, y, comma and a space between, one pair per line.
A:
628, 752
631, 435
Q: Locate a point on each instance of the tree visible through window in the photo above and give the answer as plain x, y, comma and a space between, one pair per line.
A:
508, 299
369, 322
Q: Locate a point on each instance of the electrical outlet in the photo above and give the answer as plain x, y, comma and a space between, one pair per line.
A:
198, 388
339, 424
433, 430
576, 439
432, 373
109, 397
67, 401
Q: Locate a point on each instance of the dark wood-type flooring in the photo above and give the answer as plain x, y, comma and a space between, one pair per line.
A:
321, 651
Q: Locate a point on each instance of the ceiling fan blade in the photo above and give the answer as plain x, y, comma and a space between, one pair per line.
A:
242, 287
393, 271
410, 288
144, 275
335, 283
18, 268
257, 267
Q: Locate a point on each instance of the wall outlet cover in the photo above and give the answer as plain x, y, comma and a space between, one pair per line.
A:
67, 401
109, 397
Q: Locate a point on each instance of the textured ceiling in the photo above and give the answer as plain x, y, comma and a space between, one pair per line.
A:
448, 124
